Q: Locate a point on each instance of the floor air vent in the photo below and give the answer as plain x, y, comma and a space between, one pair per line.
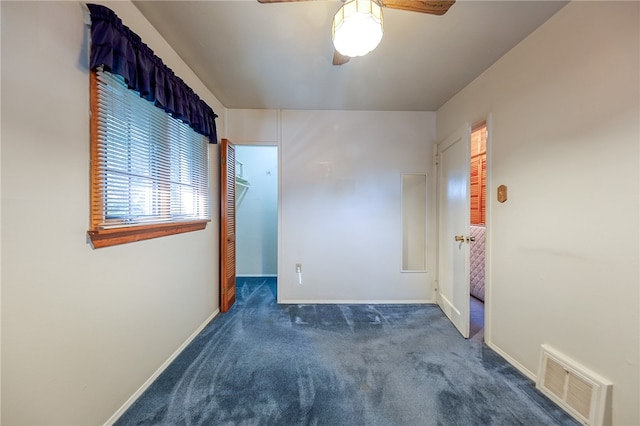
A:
579, 391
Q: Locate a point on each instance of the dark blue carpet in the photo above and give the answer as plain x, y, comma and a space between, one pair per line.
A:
269, 364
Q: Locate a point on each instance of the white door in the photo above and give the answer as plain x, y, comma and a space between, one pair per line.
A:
453, 161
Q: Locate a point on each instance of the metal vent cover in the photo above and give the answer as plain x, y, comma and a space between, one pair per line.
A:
580, 392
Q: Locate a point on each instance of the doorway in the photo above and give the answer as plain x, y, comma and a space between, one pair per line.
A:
462, 210
478, 202
256, 212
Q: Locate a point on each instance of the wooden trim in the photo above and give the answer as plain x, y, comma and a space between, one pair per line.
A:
94, 195
110, 237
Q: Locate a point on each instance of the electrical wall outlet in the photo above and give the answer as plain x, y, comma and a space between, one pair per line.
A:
298, 268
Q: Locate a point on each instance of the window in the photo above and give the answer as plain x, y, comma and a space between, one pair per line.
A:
149, 171
149, 164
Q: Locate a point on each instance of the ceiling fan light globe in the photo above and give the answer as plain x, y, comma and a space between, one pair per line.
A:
357, 27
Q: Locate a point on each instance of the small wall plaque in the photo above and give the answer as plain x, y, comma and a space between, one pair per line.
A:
502, 193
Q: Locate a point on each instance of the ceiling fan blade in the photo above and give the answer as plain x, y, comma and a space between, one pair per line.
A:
434, 7
339, 58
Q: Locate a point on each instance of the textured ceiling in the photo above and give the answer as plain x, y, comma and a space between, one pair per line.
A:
253, 55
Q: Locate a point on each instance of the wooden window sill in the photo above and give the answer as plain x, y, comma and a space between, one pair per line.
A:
110, 237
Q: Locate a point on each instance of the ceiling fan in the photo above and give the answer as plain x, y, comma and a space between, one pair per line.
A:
433, 7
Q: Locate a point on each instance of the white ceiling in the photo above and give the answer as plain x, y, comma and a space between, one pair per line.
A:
272, 56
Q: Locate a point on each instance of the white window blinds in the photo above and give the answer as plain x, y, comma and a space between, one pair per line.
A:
151, 168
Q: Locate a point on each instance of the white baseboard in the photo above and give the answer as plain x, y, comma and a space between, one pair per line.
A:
357, 302
512, 361
159, 371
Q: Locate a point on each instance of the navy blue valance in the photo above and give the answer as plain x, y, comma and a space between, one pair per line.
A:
121, 51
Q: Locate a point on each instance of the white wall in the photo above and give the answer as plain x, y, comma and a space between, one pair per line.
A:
82, 329
257, 212
253, 126
341, 210
563, 266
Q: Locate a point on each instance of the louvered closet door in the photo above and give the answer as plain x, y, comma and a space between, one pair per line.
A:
227, 225
478, 179
475, 187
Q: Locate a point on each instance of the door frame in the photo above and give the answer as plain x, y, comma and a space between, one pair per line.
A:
278, 207
488, 227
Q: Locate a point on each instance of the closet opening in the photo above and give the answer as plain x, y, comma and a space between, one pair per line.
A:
478, 196
256, 216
